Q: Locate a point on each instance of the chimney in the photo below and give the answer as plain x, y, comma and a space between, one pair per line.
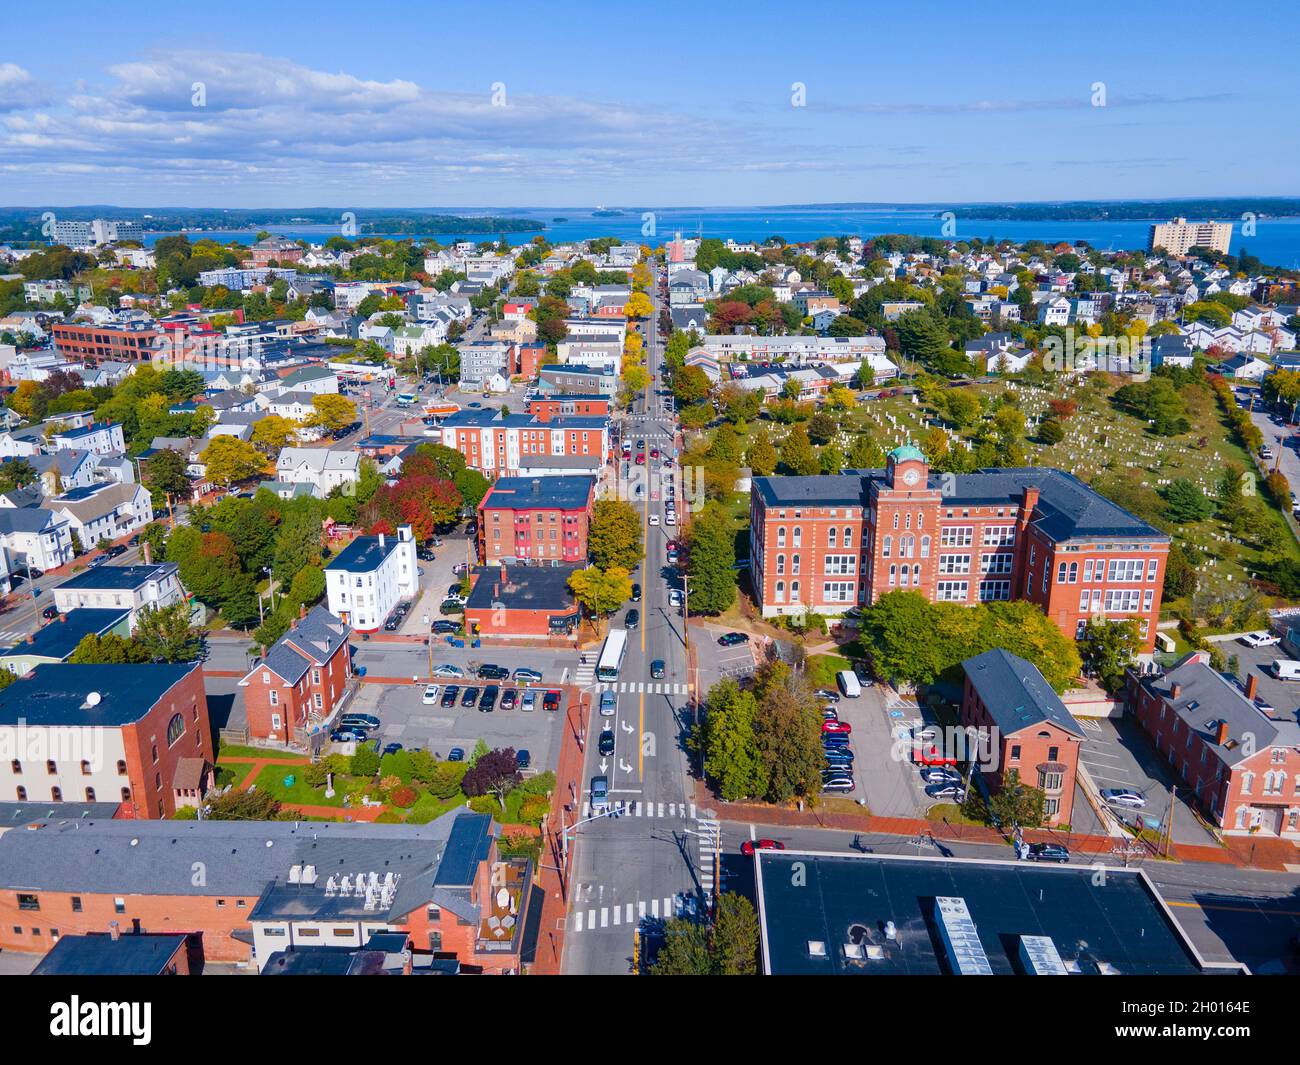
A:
146, 550
302, 611
1028, 503
114, 931
1252, 686
381, 541
537, 486
1175, 690
1221, 733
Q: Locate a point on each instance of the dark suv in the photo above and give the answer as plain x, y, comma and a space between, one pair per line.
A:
488, 702
490, 672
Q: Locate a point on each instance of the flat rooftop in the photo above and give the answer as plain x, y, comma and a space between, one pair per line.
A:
811, 905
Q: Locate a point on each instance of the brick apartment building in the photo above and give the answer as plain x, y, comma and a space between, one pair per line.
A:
502, 445
1024, 727
268, 886
1240, 760
304, 677
829, 543
546, 408
82, 342
542, 518
106, 733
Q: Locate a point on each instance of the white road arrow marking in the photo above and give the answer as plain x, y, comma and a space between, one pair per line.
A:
623, 766
627, 728
603, 765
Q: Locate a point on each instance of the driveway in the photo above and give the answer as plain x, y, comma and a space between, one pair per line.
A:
1118, 754
1282, 695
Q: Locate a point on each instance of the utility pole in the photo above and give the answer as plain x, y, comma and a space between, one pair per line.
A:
1169, 822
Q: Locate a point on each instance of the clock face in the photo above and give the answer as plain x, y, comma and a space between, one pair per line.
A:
911, 477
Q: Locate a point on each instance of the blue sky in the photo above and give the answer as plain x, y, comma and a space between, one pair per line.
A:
334, 104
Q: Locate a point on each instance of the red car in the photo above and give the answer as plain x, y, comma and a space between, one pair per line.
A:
654, 452
834, 725
751, 845
640, 458
929, 754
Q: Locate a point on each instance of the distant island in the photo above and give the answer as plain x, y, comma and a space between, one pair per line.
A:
605, 212
1131, 211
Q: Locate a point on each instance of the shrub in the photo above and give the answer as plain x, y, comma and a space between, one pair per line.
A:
389, 817
533, 809
404, 796
542, 784
387, 785
485, 804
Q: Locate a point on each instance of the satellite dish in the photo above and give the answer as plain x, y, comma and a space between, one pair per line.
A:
93, 699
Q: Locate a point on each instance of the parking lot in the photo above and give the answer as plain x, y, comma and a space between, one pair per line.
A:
1118, 754
1282, 695
408, 721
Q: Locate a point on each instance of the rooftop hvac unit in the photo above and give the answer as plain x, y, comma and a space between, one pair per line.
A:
1039, 956
961, 941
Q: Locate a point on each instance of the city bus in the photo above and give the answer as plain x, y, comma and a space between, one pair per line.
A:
406, 399
611, 655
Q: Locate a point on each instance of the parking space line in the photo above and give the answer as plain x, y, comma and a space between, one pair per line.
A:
604, 917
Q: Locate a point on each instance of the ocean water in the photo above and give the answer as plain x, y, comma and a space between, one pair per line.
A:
1276, 241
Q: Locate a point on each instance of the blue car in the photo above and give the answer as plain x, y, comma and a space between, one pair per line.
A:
456, 754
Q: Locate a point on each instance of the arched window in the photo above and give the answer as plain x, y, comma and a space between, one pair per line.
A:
888, 546
798, 536
908, 522
794, 563
126, 794
832, 536
848, 536
175, 729
780, 563
121, 767
22, 793
925, 547
780, 591
895, 521
90, 795
56, 794
794, 591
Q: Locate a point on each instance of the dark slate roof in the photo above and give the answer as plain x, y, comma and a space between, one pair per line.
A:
24, 519
520, 493
60, 637
467, 846
15, 814
119, 578
242, 858
1016, 694
363, 554
1067, 508
525, 588
313, 640
102, 955
55, 693
844, 898
1206, 697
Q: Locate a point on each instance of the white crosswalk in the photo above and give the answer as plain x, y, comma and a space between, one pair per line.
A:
584, 674
708, 839
636, 808
650, 687
594, 918
11, 636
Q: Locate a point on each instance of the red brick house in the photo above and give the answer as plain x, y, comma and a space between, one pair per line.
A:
544, 408
129, 734
828, 543
1023, 728
1240, 760
522, 602
541, 518
242, 891
304, 677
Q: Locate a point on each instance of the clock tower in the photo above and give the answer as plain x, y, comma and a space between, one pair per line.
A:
907, 470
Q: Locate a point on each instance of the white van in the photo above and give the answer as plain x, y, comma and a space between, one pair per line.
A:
1285, 669
849, 685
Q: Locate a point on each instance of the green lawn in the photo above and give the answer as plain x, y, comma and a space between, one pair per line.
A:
232, 772
235, 750
300, 793
822, 669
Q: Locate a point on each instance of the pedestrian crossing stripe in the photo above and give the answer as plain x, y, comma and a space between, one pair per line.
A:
636, 808
592, 919
635, 687
11, 636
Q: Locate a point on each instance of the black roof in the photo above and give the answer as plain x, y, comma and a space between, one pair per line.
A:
102, 955
524, 588
838, 899
58, 693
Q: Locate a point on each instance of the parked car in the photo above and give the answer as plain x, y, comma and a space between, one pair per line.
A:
430, 696
946, 789
838, 782
730, 639
527, 676
675, 598
551, 701
443, 627
451, 606
488, 702
1260, 638
116, 550
469, 697
491, 672
835, 725
446, 669
657, 669
1048, 852
345, 735
636, 593
937, 774
632, 620
50, 612
523, 759
829, 713
828, 695
1134, 800
392, 748
449, 694
456, 754
528, 701
751, 845
606, 743
508, 699
391, 624
364, 720
608, 704
835, 739
929, 754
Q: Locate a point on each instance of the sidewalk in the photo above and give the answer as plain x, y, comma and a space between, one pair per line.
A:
1265, 854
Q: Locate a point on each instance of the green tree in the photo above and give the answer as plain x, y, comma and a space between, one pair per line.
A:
797, 455
762, 456
735, 936
227, 459
166, 635
16, 473
601, 592
724, 739
243, 806
788, 729
1185, 502
1016, 803
109, 649
164, 475
1109, 648
711, 561
614, 535
365, 761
